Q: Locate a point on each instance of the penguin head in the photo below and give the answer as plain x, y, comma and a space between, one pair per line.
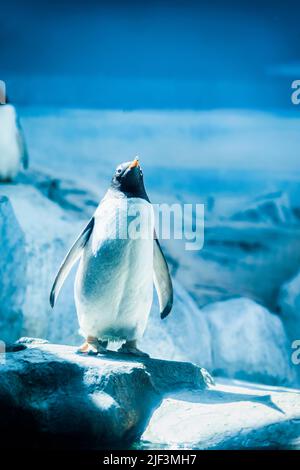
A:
128, 179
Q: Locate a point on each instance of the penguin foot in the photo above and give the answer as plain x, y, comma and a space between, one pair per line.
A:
93, 346
87, 348
83, 348
130, 348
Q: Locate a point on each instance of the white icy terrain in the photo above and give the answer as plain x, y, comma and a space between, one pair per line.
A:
289, 304
40, 218
230, 415
252, 243
248, 342
44, 232
247, 252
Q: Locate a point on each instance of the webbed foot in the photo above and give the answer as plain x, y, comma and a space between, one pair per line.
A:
93, 346
130, 348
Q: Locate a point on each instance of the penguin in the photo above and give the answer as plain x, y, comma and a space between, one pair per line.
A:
114, 282
13, 150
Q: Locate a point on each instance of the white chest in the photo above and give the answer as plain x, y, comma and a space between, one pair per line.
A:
114, 285
123, 219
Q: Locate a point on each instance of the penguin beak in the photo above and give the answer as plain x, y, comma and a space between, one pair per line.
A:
135, 163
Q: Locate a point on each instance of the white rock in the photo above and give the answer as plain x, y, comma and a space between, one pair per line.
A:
76, 401
12, 272
183, 336
249, 342
35, 234
273, 208
289, 303
237, 338
231, 415
239, 258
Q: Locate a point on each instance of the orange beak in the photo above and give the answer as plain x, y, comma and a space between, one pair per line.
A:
134, 163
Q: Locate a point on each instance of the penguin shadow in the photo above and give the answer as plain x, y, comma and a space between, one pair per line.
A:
218, 397
111, 355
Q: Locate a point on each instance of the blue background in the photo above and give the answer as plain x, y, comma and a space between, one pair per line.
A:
159, 54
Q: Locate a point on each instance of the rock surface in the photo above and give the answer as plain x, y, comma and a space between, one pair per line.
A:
41, 216
249, 343
273, 208
36, 234
39, 220
12, 272
289, 304
238, 259
231, 415
183, 335
51, 397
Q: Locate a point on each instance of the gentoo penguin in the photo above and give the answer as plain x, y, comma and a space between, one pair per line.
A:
114, 280
13, 151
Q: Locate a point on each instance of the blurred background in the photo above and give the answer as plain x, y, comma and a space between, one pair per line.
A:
201, 91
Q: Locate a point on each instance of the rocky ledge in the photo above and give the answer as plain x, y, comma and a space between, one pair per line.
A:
52, 397
232, 415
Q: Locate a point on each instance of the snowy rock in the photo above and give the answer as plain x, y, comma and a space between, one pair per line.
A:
52, 397
249, 342
289, 304
38, 227
230, 415
35, 236
183, 335
239, 258
274, 208
12, 272
77, 201
248, 236
251, 247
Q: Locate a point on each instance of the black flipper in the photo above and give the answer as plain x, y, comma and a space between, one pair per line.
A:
162, 281
73, 255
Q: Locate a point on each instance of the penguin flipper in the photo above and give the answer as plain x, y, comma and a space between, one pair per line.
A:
162, 280
22, 145
73, 255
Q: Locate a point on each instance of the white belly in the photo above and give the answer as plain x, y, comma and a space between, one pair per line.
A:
114, 282
9, 149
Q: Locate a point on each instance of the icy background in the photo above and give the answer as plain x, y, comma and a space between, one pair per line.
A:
201, 91
236, 308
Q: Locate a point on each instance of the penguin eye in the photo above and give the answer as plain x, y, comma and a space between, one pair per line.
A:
119, 171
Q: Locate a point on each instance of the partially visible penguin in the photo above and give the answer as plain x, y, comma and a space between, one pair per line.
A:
13, 150
114, 281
